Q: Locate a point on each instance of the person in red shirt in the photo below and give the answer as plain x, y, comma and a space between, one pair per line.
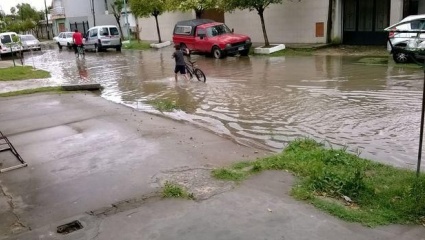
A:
77, 37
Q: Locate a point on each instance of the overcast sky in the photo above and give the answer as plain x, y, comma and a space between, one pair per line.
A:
37, 4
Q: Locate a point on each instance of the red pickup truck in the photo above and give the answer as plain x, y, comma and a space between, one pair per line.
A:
208, 36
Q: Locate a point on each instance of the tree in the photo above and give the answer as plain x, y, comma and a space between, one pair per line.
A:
199, 6
13, 10
117, 7
26, 11
147, 8
259, 5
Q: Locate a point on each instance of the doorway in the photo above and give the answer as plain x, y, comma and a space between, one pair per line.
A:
364, 22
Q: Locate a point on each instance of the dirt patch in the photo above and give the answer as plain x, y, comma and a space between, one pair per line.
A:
353, 50
196, 181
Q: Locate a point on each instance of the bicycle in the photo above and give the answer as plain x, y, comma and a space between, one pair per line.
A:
80, 51
192, 69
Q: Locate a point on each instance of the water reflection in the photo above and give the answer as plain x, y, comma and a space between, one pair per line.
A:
267, 101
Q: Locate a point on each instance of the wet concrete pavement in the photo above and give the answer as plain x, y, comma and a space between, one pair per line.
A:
103, 163
261, 101
86, 153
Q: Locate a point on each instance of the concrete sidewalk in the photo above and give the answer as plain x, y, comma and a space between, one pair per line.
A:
103, 164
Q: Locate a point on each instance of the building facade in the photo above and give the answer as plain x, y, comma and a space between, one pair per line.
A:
306, 21
68, 15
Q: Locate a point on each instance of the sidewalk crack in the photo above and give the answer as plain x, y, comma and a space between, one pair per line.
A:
18, 225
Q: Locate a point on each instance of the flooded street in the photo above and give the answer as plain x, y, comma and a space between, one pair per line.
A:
264, 101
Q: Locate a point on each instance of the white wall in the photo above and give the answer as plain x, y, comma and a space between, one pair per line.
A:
396, 12
166, 25
289, 22
421, 7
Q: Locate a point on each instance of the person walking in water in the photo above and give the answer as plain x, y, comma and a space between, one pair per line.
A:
180, 63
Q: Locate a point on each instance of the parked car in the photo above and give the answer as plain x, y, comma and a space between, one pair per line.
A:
208, 36
100, 38
399, 41
29, 42
64, 39
9, 43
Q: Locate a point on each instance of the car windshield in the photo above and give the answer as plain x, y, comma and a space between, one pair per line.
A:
218, 30
114, 31
5, 39
28, 38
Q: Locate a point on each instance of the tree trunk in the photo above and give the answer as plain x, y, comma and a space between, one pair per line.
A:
263, 25
157, 28
117, 18
199, 13
137, 32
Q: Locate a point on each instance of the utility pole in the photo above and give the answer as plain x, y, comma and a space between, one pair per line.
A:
126, 19
92, 11
47, 20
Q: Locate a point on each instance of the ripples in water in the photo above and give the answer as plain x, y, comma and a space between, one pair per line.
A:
267, 101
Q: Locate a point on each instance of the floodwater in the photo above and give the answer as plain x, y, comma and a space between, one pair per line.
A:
265, 101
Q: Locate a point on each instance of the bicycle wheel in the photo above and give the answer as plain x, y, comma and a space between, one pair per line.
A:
189, 72
200, 75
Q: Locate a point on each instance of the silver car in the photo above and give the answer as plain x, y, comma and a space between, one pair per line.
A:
29, 42
103, 37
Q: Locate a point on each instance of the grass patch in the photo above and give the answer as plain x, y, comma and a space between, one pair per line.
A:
171, 190
164, 105
32, 90
22, 73
135, 45
380, 194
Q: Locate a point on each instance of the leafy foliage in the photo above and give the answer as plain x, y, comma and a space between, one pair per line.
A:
199, 6
147, 8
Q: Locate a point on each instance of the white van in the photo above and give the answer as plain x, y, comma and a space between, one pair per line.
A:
7, 45
103, 37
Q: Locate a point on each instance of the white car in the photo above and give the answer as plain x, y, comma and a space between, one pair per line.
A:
64, 39
9, 43
29, 42
405, 39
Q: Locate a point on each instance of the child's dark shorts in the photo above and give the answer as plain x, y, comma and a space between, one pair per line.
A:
180, 68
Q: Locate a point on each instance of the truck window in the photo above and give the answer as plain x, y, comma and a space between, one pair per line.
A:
183, 30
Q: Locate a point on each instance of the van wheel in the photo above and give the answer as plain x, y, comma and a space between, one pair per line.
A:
400, 57
96, 48
118, 49
217, 53
60, 47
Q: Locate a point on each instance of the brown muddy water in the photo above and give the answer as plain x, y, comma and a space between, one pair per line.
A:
264, 101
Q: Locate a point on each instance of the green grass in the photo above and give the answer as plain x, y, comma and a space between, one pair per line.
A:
135, 45
164, 105
171, 190
22, 73
32, 90
381, 194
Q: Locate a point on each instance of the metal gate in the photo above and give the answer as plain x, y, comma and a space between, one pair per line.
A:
81, 26
365, 20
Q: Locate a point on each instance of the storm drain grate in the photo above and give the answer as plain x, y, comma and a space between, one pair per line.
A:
69, 227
